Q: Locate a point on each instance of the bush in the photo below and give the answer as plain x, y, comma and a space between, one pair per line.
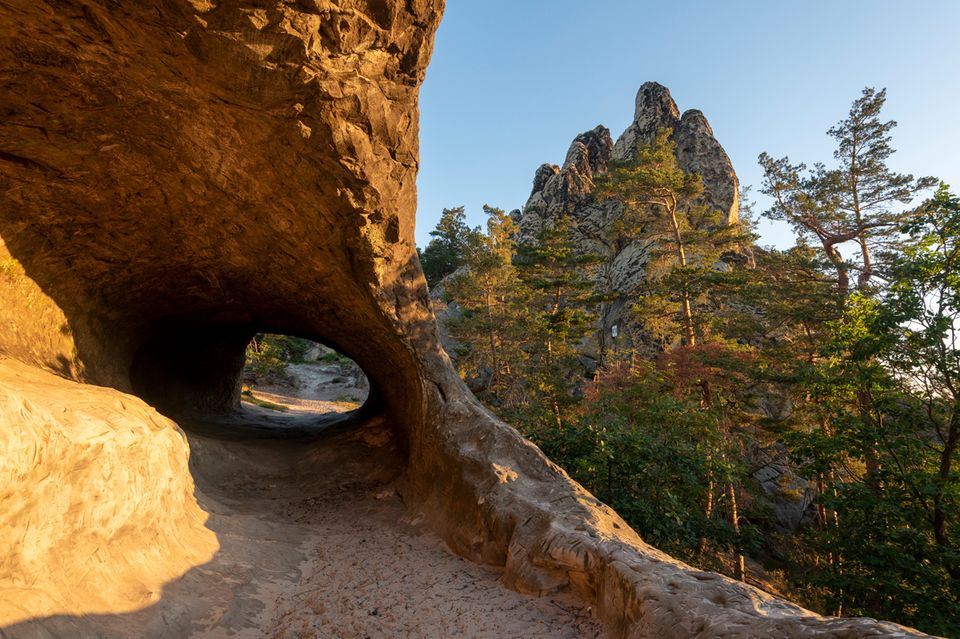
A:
268, 356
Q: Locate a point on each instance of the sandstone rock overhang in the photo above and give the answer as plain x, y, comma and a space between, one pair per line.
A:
175, 182
176, 175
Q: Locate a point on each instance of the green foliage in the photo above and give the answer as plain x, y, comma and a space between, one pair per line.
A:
557, 293
524, 309
875, 433
249, 397
869, 371
645, 447
649, 184
268, 355
888, 380
333, 357
856, 202
487, 293
445, 252
683, 240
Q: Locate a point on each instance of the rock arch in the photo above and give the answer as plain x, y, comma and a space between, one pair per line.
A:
177, 174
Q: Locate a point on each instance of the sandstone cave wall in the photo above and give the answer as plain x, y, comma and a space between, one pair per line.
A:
170, 171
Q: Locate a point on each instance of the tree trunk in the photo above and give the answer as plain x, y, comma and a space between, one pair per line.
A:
707, 511
494, 360
689, 336
741, 569
843, 271
821, 509
863, 280
870, 457
946, 463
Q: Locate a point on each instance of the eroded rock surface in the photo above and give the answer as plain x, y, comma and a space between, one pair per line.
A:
93, 485
176, 176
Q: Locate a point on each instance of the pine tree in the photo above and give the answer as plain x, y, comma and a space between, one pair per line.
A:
654, 189
557, 285
685, 244
486, 293
902, 347
860, 201
870, 415
444, 253
855, 202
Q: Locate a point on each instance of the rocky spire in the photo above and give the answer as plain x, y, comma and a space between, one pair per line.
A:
567, 190
655, 109
697, 150
590, 152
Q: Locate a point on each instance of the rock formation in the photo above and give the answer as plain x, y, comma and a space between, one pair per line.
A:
568, 190
76, 454
178, 175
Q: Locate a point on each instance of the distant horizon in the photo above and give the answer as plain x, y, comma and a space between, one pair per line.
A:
509, 87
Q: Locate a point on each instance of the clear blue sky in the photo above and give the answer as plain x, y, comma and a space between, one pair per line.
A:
513, 81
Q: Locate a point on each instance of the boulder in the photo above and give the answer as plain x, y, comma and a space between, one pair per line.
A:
94, 485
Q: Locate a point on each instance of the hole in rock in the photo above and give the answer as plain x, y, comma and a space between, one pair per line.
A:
283, 373
237, 383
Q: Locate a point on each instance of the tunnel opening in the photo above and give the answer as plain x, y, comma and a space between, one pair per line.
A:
287, 374
236, 382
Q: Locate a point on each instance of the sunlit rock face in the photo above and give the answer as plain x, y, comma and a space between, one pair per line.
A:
97, 501
698, 151
570, 190
176, 176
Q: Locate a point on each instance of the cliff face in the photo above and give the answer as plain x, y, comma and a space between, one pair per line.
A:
178, 175
568, 190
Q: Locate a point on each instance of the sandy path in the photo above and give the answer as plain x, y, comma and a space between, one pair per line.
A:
316, 544
366, 569
372, 573
301, 404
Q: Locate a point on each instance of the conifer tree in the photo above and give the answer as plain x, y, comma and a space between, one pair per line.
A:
444, 253
900, 547
684, 242
859, 201
558, 288
486, 292
653, 189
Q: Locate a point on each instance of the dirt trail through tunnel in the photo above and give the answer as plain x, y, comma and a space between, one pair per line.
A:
315, 542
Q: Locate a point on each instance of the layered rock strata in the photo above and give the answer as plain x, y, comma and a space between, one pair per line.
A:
178, 175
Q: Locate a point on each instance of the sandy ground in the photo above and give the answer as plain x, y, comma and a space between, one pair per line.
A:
367, 568
321, 381
301, 404
315, 543
371, 571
